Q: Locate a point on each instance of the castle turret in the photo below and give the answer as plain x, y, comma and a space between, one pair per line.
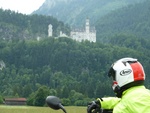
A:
87, 26
50, 30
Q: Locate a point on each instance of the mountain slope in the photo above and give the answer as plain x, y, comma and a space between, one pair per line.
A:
18, 26
131, 20
76, 11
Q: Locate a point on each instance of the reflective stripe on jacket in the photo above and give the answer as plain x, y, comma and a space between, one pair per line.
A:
134, 100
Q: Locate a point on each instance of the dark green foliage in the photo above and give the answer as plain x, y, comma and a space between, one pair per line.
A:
18, 26
71, 70
131, 20
66, 101
1, 100
38, 98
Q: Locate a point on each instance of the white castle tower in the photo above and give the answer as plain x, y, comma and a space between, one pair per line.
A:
50, 30
87, 26
82, 35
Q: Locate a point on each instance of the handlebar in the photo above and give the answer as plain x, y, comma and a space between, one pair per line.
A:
99, 110
55, 103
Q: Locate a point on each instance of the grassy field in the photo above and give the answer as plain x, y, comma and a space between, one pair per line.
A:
27, 109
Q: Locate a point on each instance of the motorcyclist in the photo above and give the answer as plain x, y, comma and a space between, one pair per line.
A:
128, 84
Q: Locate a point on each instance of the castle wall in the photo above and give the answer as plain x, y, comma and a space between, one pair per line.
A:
82, 35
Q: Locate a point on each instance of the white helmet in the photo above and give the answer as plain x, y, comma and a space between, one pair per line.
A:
126, 73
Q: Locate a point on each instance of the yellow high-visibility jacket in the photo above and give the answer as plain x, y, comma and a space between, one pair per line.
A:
134, 100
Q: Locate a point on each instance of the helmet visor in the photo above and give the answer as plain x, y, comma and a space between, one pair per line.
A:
112, 74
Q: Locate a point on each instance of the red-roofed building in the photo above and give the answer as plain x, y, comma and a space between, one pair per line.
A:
15, 101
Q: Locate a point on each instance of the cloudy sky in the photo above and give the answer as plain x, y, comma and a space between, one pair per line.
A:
21, 6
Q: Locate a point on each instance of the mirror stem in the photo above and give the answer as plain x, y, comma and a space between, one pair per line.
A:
61, 106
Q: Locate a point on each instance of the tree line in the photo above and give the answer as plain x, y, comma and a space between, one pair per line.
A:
74, 71
18, 26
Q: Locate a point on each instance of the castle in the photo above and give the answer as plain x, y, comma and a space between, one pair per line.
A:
78, 34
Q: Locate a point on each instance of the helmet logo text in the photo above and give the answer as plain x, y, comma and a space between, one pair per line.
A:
125, 72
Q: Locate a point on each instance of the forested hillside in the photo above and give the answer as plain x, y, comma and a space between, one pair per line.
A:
131, 20
18, 26
71, 70
74, 71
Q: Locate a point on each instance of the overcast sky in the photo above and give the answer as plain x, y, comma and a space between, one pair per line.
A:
21, 6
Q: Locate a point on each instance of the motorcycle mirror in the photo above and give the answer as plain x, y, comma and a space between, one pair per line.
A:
54, 103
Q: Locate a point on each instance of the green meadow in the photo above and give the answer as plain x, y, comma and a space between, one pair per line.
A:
27, 109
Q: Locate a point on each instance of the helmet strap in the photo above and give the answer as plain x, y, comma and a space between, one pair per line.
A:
119, 90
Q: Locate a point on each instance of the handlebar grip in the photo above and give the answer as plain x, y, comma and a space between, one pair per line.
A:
107, 111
